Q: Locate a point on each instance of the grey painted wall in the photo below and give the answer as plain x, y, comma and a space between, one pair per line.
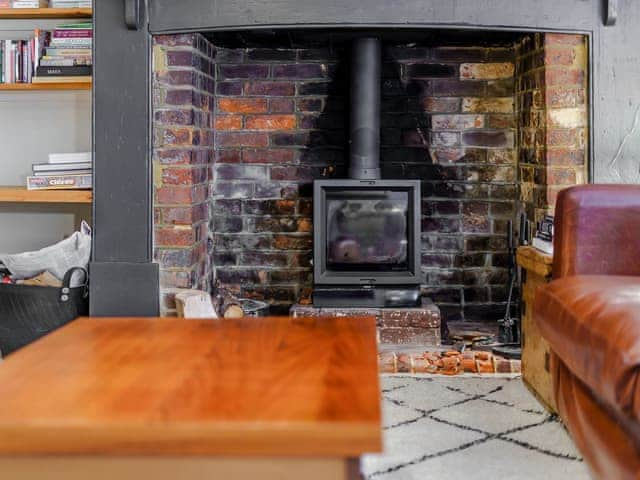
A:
616, 67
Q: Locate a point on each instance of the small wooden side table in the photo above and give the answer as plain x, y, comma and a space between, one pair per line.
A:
536, 373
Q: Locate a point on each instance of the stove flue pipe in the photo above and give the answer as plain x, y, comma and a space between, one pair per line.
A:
364, 128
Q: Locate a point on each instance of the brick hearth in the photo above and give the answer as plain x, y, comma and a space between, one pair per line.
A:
396, 326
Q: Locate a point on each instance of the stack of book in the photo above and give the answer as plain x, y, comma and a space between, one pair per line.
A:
63, 171
19, 58
67, 57
543, 238
62, 56
70, 3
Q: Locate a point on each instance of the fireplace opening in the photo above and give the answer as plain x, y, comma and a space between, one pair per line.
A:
487, 123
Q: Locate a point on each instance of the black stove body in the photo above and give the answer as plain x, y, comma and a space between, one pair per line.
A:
366, 243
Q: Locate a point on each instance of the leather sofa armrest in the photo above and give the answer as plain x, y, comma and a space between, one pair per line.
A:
597, 231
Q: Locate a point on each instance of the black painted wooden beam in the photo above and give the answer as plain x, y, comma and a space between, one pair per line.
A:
124, 279
172, 15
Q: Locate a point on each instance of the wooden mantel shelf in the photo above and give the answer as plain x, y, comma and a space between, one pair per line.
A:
53, 13
22, 195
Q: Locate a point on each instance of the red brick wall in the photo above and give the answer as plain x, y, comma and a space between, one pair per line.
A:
280, 124
183, 101
553, 114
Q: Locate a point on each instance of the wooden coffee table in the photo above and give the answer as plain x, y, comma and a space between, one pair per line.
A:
126, 398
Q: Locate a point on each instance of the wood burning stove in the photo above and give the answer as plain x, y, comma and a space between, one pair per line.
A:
366, 242
367, 230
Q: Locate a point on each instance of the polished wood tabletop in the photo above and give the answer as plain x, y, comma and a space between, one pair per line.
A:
255, 386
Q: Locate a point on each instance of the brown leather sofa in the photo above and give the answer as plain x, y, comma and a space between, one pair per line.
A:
590, 315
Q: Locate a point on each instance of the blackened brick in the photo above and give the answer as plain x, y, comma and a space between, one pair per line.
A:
300, 71
270, 88
244, 71
229, 88
430, 70
270, 54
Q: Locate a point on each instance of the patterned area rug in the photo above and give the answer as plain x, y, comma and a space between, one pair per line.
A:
469, 428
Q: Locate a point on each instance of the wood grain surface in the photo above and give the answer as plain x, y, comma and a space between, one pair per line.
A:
41, 13
532, 259
256, 386
27, 87
22, 195
536, 351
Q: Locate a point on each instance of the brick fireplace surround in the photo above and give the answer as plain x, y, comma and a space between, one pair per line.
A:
491, 129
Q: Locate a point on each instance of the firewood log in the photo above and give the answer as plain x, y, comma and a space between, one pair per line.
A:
194, 304
227, 304
234, 311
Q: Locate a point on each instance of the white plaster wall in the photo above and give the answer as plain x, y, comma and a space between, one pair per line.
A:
33, 124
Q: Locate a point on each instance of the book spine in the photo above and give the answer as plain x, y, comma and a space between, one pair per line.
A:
6, 45
55, 52
48, 173
14, 61
37, 49
58, 62
20, 61
80, 70
73, 34
52, 167
59, 182
72, 42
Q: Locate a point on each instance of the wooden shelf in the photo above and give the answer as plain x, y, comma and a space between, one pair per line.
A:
30, 13
29, 87
22, 195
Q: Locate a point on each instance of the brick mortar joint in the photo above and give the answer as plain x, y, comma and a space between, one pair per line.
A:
163, 88
187, 68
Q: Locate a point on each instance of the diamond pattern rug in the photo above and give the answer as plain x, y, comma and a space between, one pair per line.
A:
469, 428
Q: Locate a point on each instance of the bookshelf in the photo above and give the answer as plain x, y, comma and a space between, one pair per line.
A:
44, 13
18, 194
59, 116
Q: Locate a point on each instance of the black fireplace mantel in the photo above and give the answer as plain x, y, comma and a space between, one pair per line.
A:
124, 277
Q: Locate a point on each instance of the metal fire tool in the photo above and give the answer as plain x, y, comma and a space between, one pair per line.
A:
509, 327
